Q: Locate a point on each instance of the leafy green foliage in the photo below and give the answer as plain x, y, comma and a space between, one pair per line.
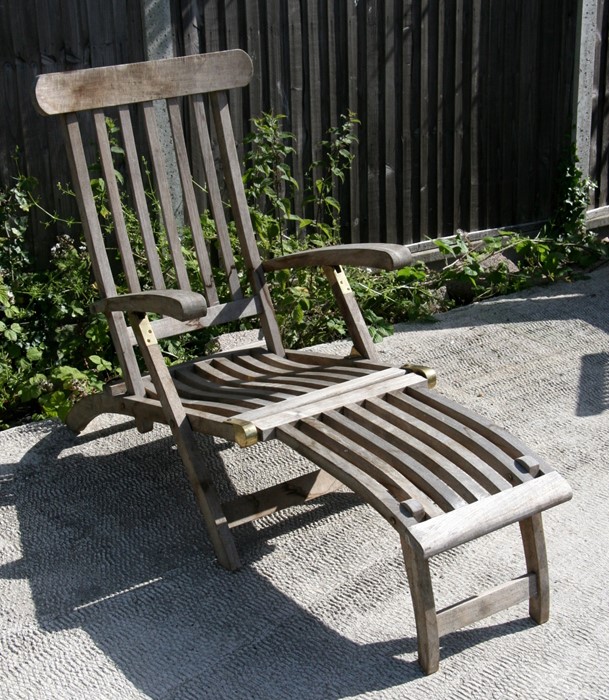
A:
46, 331
298, 295
52, 351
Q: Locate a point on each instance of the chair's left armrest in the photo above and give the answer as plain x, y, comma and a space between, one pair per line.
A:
381, 256
180, 304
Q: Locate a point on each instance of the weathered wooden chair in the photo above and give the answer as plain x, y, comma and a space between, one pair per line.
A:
439, 474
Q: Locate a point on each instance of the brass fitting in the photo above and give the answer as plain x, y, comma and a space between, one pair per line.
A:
428, 372
246, 433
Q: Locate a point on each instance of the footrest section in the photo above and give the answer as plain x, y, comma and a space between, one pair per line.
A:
464, 524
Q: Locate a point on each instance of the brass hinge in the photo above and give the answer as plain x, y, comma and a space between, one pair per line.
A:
145, 327
246, 433
336, 274
342, 280
428, 372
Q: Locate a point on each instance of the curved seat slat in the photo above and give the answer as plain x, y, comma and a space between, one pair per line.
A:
486, 451
433, 467
354, 478
376, 437
480, 476
498, 436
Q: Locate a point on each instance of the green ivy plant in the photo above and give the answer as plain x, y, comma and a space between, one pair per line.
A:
50, 345
271, 191
52, 350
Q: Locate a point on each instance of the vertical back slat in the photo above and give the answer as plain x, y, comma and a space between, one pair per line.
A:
97, 248
215, 198
139, 198
192, 210
92, 229
122, 238
234, 181
160, 172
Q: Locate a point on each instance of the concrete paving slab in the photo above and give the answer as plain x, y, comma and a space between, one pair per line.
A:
108, 587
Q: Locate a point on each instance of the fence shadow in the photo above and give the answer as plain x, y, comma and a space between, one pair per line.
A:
593, 397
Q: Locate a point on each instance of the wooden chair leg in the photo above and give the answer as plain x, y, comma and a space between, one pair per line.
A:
206, 496
143, 425
423, 603
534, 544
196, 470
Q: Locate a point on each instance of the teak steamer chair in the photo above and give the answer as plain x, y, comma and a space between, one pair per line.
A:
439, 474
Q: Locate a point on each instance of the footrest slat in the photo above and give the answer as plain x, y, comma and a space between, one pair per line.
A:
476, 519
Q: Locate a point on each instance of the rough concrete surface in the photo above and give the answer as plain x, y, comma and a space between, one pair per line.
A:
108, 586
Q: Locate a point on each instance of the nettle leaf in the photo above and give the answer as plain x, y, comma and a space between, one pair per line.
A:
33, 354
56, 405
100, 363
443, 246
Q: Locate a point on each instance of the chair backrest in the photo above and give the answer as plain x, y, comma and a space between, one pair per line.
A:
135, 97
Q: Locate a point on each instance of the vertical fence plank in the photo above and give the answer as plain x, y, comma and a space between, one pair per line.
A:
273, 40
353, 83
323, 86
405, 163
373, 125
233, 40
389, 230
508, 136
415, 126
433, 186
462, 167
340, 31
527, 57
313, 108
253, 47
332, 66
446, 131
296, 96
479, 38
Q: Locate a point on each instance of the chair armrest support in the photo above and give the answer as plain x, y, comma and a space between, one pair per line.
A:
383, 256
180, 304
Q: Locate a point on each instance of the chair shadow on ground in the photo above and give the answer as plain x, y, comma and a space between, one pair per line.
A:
113, 545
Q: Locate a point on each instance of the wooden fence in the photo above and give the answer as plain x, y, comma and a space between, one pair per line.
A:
599, 141
47, 36
466, 106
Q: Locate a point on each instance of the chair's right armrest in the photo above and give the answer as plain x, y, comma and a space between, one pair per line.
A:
180, 304
380, 256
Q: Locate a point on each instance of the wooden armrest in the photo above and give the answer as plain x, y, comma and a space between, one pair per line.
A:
177, 303
383, 256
